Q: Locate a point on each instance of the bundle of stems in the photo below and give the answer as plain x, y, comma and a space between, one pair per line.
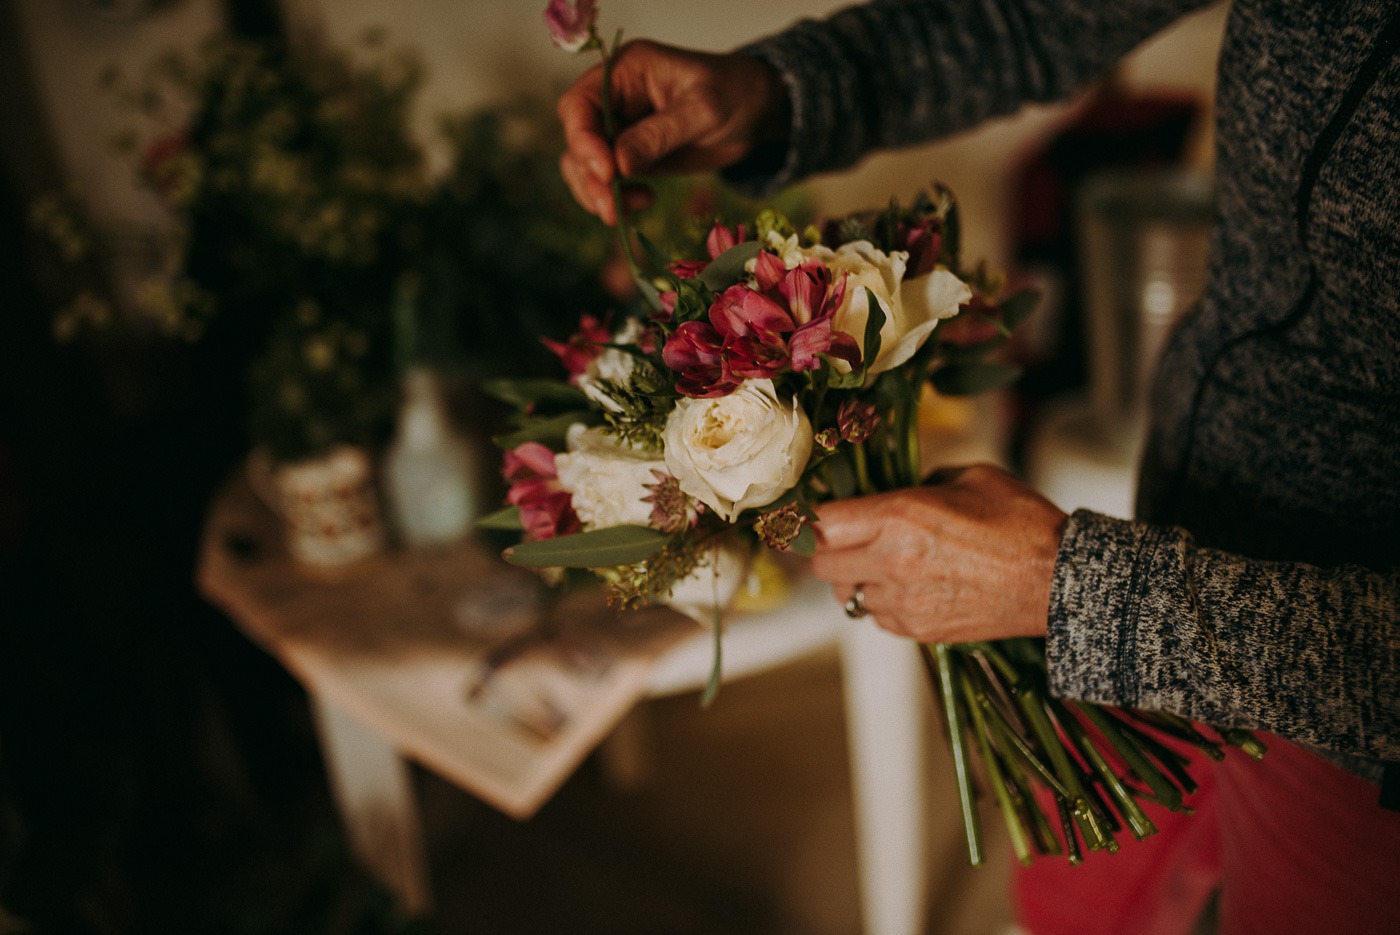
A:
1100, 764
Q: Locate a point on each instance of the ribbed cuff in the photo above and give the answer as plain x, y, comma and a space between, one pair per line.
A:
1101, 576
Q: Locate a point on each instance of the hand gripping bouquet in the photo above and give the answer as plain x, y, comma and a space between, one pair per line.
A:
772, 371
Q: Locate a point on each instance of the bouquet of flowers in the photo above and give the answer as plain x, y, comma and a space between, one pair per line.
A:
771, 371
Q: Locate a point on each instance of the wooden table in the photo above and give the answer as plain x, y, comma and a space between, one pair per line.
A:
390, 672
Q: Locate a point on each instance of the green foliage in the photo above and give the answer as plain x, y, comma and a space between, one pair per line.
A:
600, 548
508, 254
303, 213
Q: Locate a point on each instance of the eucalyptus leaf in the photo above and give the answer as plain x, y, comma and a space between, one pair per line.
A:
544, 429
507, 519
971, 379
874, 321
805, 543
600, 548
840, 476
1018, 307
649, 294
728, 268
655, 256
535, 392
970, 353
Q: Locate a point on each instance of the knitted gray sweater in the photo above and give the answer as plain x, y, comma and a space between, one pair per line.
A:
1259, 585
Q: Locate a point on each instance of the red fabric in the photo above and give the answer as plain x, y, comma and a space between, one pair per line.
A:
1156, 886
1297, 844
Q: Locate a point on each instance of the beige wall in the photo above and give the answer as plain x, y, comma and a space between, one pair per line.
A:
481, 51
69, 44
484, 50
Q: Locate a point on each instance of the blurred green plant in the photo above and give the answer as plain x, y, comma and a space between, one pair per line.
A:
302, 212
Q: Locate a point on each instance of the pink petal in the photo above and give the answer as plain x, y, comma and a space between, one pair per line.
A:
739, 311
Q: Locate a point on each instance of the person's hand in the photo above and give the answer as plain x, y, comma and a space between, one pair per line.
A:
677, 111
968, 557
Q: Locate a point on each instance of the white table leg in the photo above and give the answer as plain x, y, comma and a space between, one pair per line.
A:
884, 687
373, 790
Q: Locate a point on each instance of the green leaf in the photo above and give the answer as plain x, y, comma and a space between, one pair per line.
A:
728, 268
840, 476
601, 548
1018, 307
874, 321
545, 429
507, 519
974, 378
805, 544
649, 293
970, 353
534, 392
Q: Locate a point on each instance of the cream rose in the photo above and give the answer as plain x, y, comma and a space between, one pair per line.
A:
606, 479
913, 308
737, 451
611, 366
713, 584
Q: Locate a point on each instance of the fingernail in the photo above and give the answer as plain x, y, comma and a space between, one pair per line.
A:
598, 167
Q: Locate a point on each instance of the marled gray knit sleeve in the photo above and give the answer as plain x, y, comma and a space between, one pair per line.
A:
897, 72
1141, 617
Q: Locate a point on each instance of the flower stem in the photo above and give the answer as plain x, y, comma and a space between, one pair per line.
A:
1020, 842
624, 235
860, 460
957, 740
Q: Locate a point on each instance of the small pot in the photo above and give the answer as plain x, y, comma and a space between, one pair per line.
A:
329, 506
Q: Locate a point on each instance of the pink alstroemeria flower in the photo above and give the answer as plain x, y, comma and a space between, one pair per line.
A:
718, 240
571, 23
582, 348
923, 241
721, 238
759, 333
977, 322
696, 351
546, 509
812, 299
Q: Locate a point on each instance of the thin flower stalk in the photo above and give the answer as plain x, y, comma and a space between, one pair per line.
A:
957, 740
992, 766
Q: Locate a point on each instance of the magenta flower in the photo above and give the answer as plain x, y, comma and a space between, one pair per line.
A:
582, 348
759, 333
719, 239
546, 509
924, 241
977, 322
696, 351
812, 298
572, 23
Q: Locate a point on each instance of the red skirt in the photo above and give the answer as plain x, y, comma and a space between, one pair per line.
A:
1291, 843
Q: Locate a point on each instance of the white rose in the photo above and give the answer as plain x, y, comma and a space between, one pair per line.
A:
712, 584
913, 308
612, 366
606, 479
737, 451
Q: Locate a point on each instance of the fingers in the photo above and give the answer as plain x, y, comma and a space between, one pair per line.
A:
848, 524
646, 145
677, 111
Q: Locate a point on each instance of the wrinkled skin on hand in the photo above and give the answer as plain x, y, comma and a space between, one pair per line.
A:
968, 556
678, 111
